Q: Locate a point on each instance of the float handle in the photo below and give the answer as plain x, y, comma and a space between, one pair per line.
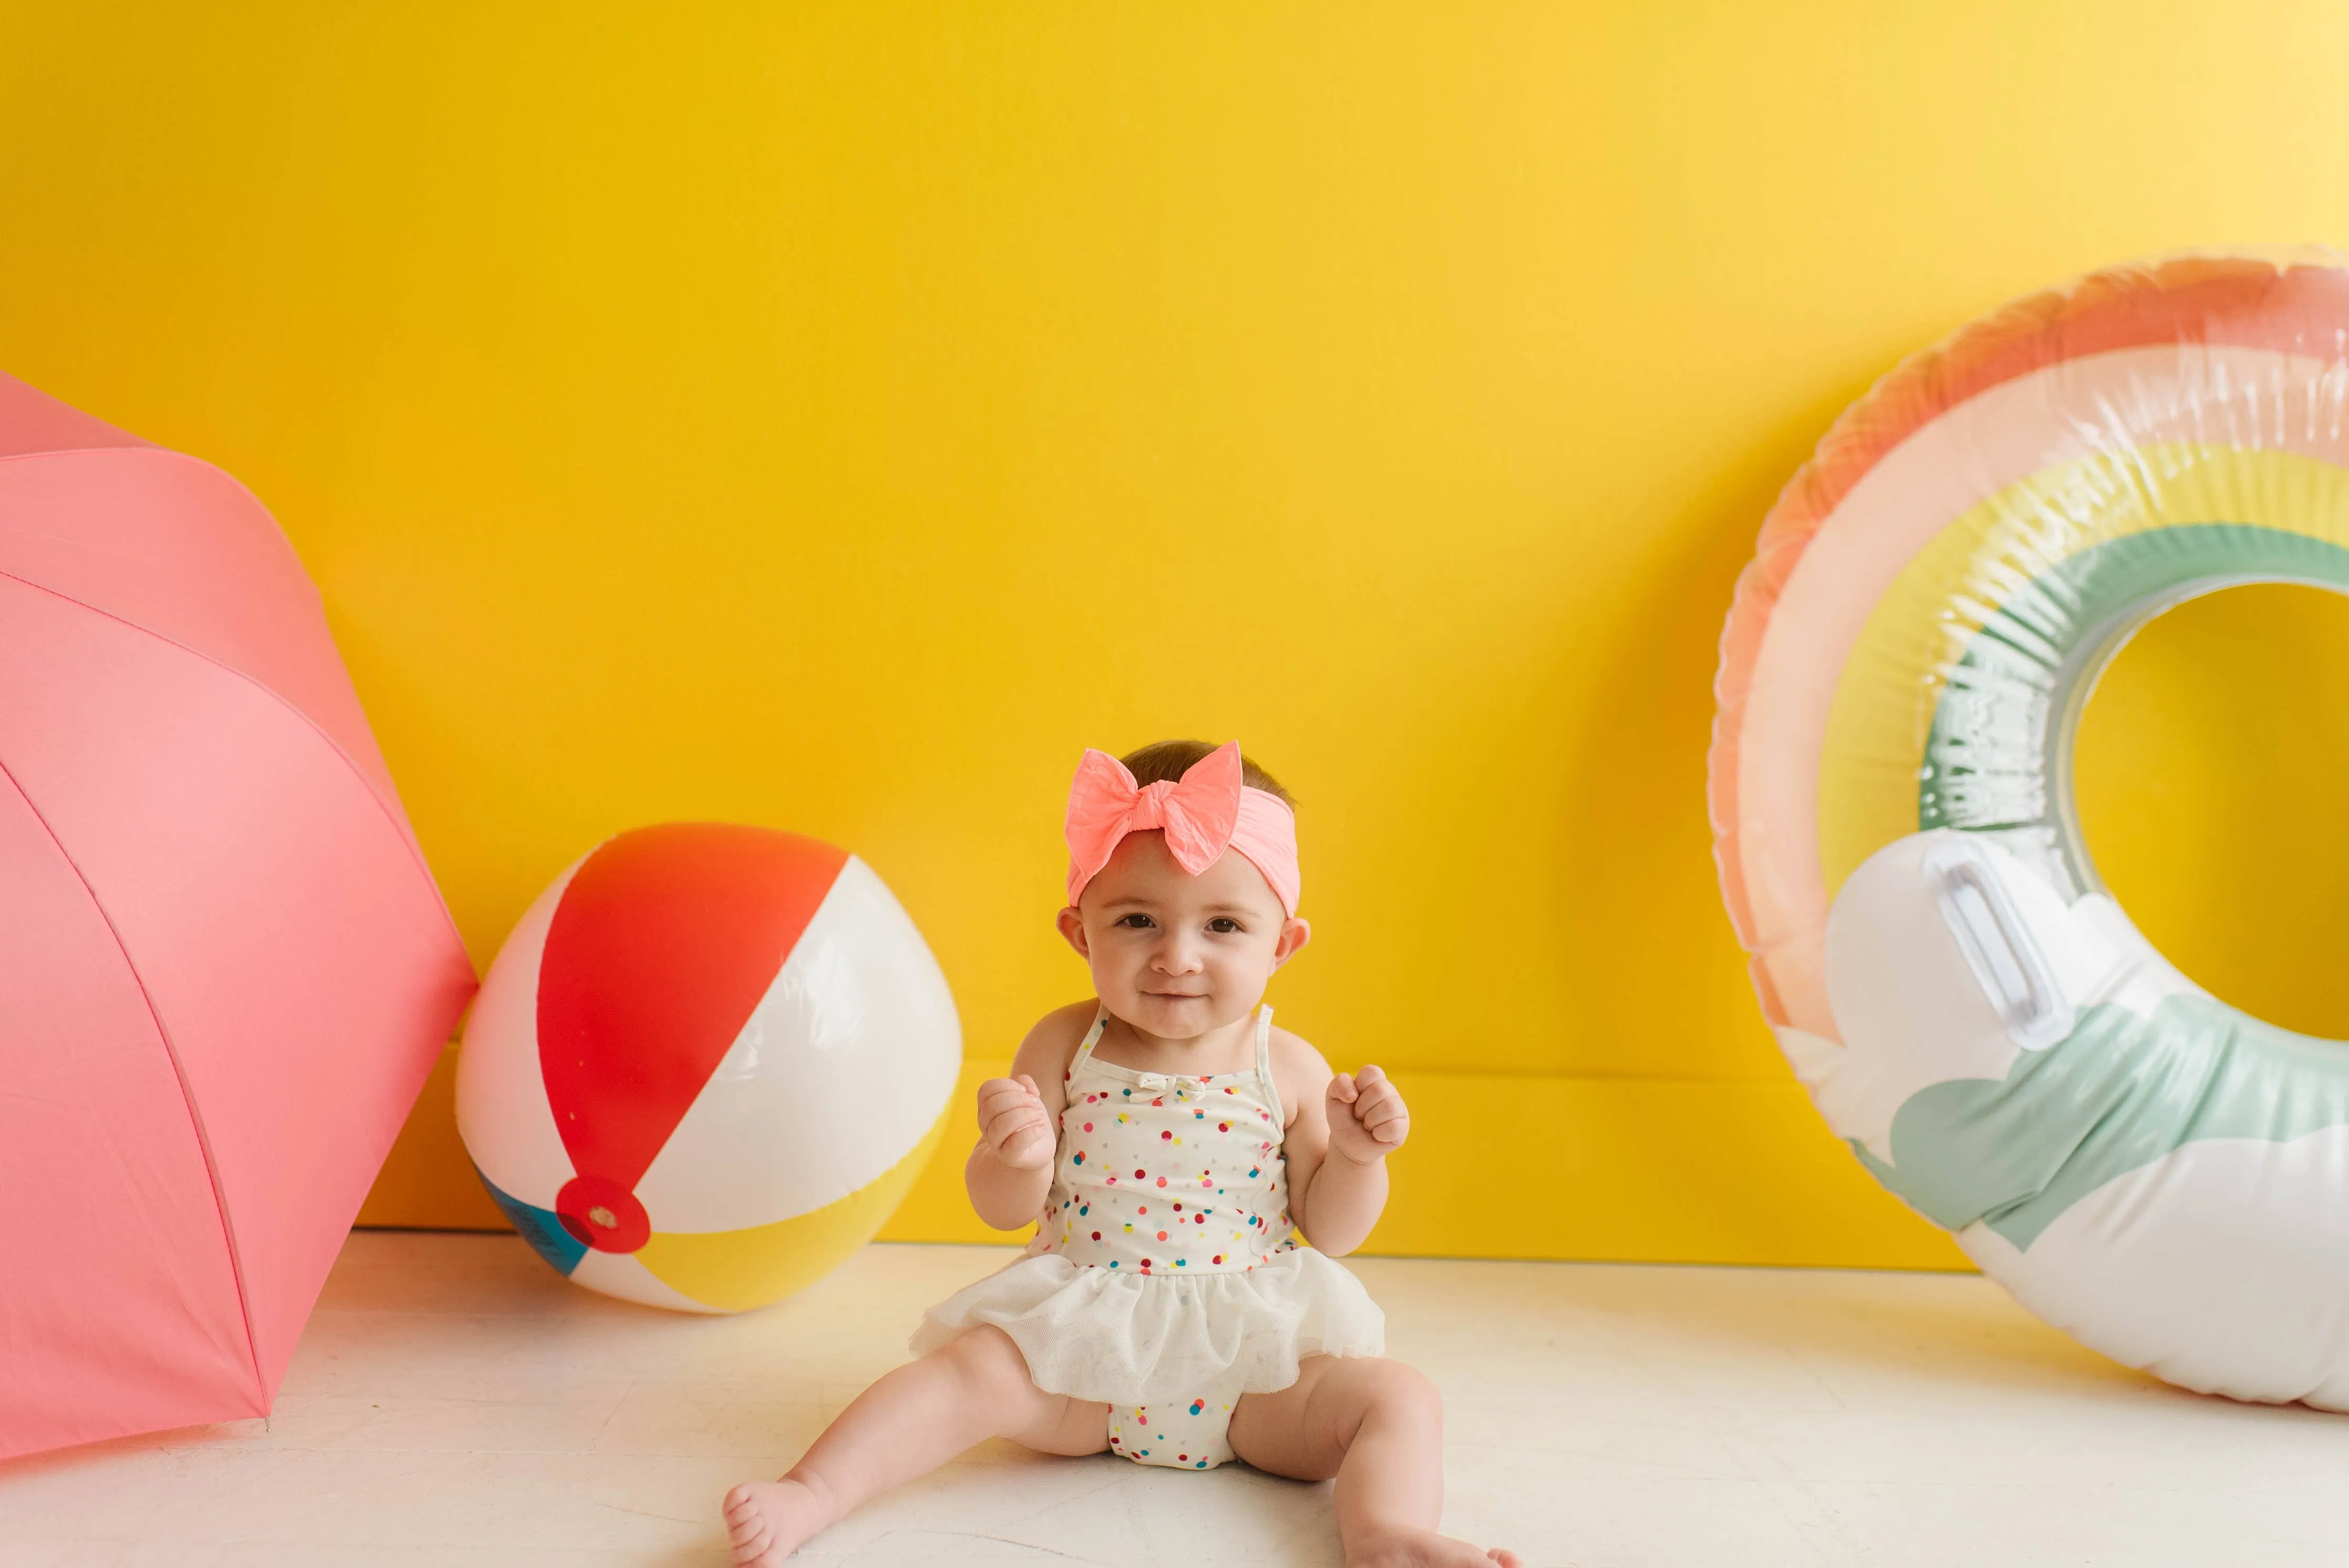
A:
2009, 965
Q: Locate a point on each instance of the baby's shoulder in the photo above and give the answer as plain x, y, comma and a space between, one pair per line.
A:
1289, 1049
1053, 1044
1298, 1071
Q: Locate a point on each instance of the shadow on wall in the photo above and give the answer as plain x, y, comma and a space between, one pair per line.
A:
1639, 839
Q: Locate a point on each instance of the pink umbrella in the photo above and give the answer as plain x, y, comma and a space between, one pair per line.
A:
224, 968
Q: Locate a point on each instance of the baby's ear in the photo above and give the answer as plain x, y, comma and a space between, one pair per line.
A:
1294, 934
1072, 931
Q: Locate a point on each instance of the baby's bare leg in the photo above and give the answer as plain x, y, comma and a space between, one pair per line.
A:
906, 1424
1378, 1427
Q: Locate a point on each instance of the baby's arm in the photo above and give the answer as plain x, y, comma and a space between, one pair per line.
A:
1341, 1127
1010, 1171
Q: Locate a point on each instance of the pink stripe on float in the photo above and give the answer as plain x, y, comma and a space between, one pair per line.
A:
1820, 599
2236, 300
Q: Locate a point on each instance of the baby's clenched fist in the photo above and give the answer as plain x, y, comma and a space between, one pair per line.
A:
1367, 1115
1012, 1123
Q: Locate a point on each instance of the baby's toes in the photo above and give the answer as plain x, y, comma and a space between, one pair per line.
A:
746, 1523
756, 1551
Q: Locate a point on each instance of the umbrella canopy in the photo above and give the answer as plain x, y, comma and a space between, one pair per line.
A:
225, 968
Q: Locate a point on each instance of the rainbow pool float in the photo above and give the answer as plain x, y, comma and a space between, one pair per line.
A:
2155, 1172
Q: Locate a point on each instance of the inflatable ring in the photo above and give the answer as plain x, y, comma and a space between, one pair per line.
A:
2157, 1174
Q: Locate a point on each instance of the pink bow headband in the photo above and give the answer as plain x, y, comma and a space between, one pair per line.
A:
1205, 814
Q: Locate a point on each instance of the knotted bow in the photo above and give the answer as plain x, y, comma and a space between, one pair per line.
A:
1206, 812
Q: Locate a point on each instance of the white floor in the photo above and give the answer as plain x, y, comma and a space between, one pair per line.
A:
455, 1403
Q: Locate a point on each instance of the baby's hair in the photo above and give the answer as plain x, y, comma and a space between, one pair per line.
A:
1168, 760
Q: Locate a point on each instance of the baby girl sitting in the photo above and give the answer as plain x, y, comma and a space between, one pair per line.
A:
1170, 1139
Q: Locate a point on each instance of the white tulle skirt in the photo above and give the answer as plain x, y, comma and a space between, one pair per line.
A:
1135, 1339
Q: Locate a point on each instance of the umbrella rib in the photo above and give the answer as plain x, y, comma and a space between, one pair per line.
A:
394, 815
187, 1099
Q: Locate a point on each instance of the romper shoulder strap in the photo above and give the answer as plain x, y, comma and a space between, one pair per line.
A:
1092, 1037
1264, 1063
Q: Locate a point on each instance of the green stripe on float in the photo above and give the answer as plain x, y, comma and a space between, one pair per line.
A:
2123, 1090
1997, 755
1893, 677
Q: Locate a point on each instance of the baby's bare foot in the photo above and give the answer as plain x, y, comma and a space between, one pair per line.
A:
768, 1520
1422, 1549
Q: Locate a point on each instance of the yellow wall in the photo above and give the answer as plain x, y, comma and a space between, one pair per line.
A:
835, 415
2211, 764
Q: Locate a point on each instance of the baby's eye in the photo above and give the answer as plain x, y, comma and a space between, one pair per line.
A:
1224, 925
1137, 921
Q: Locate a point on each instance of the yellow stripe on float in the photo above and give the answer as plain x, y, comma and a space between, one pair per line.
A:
734, 1270
1893, 680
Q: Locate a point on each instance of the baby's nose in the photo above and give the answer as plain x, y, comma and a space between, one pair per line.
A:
1175, 957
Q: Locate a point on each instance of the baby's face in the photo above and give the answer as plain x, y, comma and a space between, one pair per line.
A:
1175, 955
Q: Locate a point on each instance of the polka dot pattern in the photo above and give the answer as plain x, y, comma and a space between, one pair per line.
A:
1145, 1181
1192, 1434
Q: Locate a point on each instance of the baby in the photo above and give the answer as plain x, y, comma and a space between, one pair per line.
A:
1171, 1138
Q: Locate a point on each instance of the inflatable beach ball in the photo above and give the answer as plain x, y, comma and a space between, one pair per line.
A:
706, 1066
